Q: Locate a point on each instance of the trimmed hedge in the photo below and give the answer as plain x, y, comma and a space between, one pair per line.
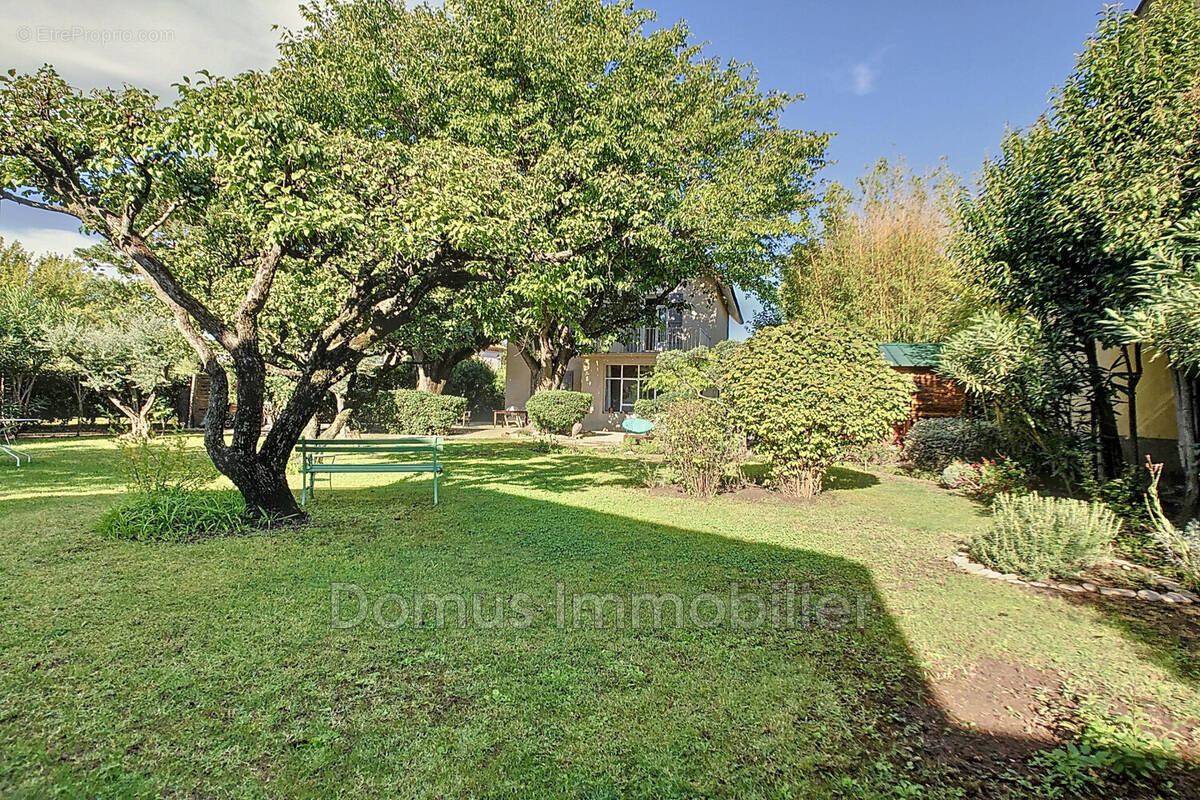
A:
932, 444
412, 412
806, 396
557, 410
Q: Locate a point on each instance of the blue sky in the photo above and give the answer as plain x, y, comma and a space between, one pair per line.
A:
918, 79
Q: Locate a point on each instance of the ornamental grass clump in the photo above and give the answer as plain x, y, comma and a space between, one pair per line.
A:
1038, 537
175, 515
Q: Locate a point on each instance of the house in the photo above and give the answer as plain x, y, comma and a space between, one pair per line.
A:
614, 375
935, 396
1157, 426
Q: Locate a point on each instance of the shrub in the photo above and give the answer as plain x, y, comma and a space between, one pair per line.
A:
1038, 537
478, 383
807, 396
150, 465
174, 515
557, 410
412, 412
652, 407
931, 444
986, 479
698, 442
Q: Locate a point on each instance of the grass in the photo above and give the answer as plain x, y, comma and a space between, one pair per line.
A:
211, 668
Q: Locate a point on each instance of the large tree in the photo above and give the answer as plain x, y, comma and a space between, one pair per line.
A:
290, 220
35, 294
128, 359
1027, 253
1130, 119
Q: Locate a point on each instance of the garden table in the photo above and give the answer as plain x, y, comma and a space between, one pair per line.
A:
505, 415
8, 432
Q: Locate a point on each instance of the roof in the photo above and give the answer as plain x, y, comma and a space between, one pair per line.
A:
728, 298
910, 354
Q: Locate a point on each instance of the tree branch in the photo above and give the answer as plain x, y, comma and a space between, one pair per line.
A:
24, 201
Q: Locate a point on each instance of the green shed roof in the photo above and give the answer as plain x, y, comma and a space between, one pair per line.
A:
909, 354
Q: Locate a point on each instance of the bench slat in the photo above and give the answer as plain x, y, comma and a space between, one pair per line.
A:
315, 451
374, 468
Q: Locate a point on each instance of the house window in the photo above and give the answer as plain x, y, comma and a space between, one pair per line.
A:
624, 386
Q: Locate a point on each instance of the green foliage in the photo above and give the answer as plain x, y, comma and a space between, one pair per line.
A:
690, 373
128, 358
1182, 546
168, 463
699, 444
35, 295
482, 386
1038, 537
987, 479
557, 410
411, 412
1030, 384
543, 161
1126, 495
652, 407
1105, 748
880, 264
174, 515
931, 444
806, 396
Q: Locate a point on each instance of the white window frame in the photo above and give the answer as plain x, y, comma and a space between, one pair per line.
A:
613, 403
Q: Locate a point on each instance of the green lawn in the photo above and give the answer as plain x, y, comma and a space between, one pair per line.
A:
212, 669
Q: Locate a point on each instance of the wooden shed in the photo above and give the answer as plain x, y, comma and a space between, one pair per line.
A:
935, 396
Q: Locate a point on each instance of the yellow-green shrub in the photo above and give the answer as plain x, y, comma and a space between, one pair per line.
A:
806, 396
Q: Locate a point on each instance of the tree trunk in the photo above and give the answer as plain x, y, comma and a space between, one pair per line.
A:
79, 395
137, 413
549, 357
344, 410
1187, 439
1134, 376
434, 369
1111, 456
259, 473
427, 383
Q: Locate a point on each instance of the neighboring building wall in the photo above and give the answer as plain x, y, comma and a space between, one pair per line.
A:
1157, 434
706, 322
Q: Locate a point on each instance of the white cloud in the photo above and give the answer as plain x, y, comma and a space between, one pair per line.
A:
862, 78
41, 241
151, 43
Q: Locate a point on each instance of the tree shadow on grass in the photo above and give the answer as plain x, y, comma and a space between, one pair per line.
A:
1166, 635
238, 642
818, 706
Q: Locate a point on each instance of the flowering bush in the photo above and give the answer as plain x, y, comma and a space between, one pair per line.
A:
986, 479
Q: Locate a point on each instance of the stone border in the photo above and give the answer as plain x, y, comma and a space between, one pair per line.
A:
1174, 594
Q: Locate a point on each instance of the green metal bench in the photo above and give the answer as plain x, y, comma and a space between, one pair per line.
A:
409, 453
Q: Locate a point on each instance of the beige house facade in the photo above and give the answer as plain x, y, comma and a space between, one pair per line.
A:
614, 374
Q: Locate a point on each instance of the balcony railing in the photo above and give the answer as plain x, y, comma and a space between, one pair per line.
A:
655, 340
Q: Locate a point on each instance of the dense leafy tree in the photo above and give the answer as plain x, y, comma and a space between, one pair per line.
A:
1031, 388
691, 373
806, 396
292, 220
880, 263
127, 359
35, 293
1026, 256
